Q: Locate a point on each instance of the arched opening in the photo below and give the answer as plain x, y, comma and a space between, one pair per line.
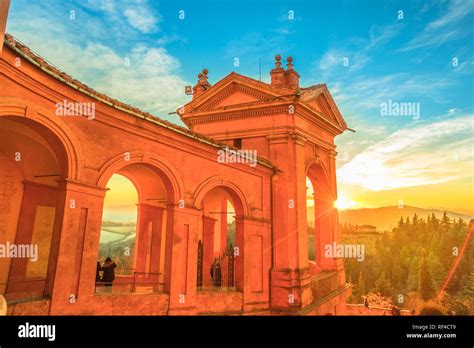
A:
310, 221
134, 230
220, 259
33, 163
119, 224
321, 216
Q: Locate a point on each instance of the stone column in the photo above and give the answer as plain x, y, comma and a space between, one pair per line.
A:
4, 5
223, 230
148, 242
290, 275
253, 262
181, 248
324, 229
208, 228
34, 195
80, 208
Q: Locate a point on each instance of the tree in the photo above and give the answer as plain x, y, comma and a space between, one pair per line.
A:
415, 220
382, 286
398, 277
361, 284
400, 222
425, 282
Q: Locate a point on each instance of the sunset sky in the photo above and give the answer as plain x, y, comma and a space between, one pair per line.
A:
120, 203
367, 52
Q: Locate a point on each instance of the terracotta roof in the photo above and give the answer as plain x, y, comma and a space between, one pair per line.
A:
319, 86
22, 49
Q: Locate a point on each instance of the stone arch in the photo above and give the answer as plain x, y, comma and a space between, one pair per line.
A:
212, 197
167, 172
159, 187
325, 215
318, 174
48, 151
238, 197
43, 122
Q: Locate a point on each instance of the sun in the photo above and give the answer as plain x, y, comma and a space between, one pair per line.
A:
344, 203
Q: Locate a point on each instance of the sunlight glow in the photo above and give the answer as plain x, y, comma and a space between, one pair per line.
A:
345, 203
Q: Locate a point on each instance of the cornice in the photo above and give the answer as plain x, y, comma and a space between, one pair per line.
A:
233, 114
228, 91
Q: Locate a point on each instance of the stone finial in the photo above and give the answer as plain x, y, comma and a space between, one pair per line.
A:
278, 61
202, 84
291, 76
278, 73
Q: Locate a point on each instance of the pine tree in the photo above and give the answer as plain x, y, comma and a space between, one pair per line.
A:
382, 286
445, 223
400, 223
425, 282
361, 285
415, 219
398, 276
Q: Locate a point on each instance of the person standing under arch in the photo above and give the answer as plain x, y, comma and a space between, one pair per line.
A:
109, 273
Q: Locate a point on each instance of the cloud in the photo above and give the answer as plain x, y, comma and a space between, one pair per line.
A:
356, 52
150, 81
456, 11
369, 92
141, 19
428, 40
255, 44
422, 155
445, 28
104, 5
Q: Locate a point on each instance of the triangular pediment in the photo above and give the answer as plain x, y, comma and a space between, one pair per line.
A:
234, 90
239, 93
234, 94
320, 100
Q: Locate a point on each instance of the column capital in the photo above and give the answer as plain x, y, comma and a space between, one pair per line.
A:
252, 219
208, 218
299, 139
278, 138
147, 206
177, 208
81, 187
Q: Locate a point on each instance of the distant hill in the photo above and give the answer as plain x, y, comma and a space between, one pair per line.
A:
118, 224
386, 218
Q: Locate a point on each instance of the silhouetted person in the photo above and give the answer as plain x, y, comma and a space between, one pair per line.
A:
109, 272
366, 302
396, 311
216, 274
97, 274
